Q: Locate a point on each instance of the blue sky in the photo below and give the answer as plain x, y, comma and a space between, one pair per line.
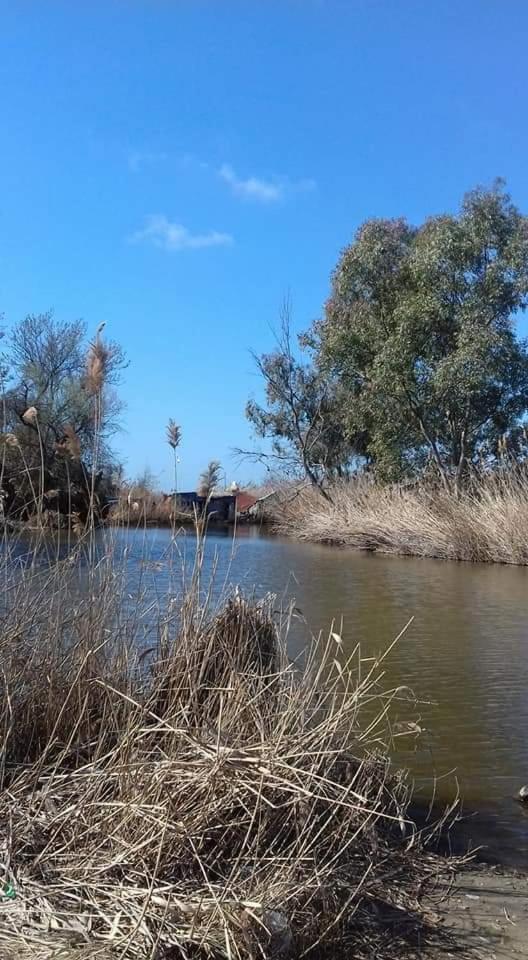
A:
174, 168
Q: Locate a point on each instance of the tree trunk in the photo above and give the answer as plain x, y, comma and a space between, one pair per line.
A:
461, 464
437, 458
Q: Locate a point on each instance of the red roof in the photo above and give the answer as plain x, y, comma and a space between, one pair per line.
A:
244, 501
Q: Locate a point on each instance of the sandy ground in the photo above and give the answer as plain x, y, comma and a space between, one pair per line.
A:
486, 917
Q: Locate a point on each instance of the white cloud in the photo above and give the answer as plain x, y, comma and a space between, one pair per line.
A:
160, 232
266, 191
253, 187
138, 159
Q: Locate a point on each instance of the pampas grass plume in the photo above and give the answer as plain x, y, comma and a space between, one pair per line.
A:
30, 416
173, 434
96, 366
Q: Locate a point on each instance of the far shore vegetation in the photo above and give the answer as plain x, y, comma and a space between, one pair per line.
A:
405, 406
487, 521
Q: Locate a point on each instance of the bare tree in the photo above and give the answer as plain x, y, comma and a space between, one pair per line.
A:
301, 417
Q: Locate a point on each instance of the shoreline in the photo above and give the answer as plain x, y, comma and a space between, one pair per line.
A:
485, 916
481, 914
337, 544
487, 522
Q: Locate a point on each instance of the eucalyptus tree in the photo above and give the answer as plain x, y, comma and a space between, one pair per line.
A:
419, 332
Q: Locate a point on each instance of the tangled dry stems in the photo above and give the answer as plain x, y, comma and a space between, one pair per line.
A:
157, 509
205, 798
488, 522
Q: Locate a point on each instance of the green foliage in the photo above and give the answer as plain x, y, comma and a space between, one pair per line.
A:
67, 435
46, 360
419, 331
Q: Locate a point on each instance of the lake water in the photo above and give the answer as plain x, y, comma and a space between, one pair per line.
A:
465, 654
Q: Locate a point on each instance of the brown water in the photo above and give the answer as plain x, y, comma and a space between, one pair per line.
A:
465, 654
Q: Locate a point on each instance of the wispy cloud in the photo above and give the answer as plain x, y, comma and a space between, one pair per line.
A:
139, 159
254, 188
265, 191
161, 232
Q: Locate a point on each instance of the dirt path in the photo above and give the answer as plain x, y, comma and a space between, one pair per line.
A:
487, 916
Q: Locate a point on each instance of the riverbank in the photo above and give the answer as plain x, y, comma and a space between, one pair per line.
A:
482, 916
200, 795
486, 916
487, 523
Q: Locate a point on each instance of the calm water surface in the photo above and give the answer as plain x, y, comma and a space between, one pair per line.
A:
465, 653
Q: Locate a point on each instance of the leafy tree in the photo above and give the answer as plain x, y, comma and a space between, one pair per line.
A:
302, 414
145, 484
59, 405
419, 330
47, 363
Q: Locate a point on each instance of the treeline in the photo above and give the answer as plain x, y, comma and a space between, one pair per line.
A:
59, 412
415, 368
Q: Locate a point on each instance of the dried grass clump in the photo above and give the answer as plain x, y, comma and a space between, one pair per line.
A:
488, 522
137, 508
205, 798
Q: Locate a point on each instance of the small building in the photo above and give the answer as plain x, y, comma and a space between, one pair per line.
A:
244, 503
221, 508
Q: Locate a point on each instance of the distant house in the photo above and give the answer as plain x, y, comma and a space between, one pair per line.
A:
224, 507
221, 507
244, 502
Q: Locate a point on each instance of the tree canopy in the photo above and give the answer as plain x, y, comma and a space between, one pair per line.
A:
60, 409
418, 339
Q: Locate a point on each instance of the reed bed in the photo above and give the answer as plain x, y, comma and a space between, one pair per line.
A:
157, 509
488, 522
199, 797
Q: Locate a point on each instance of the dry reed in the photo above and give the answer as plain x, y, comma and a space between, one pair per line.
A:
70, 443
30, 416
202, 797
173, 434
96, 365
488, 522
137, 508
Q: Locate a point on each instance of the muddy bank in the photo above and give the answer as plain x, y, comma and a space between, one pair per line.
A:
485, 917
